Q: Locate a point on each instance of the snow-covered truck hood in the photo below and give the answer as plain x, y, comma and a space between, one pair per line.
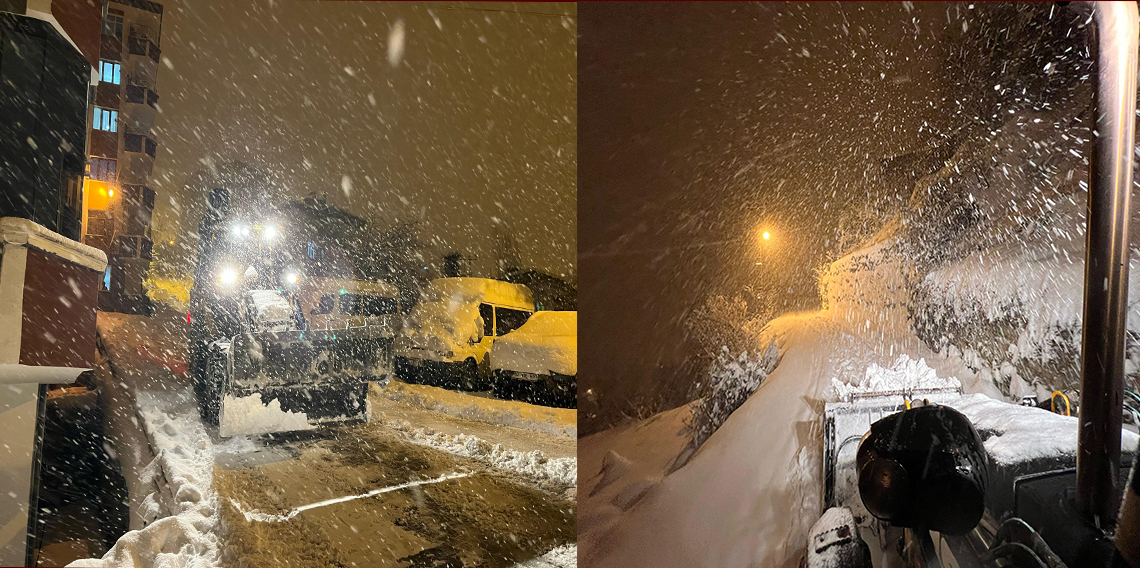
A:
269, 310
547, 342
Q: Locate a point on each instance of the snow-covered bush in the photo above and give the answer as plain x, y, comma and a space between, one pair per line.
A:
730, 382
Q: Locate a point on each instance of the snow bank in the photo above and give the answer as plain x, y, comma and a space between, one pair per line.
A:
565, 556
536, 465
183, 467
248, 416
905, 375
547, 342
730, 382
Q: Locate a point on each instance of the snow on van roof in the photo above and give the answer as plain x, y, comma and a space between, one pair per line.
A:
480, 290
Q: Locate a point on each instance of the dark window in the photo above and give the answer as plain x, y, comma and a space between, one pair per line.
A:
508, 320
326, 305
368, 306
487, 312
113, 25
102, 169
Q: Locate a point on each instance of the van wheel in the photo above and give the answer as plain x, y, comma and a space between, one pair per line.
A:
469, 378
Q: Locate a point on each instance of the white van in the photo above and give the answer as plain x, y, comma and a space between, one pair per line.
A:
448, 334
538, 362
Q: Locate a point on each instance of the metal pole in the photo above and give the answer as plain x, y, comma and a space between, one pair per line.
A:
1106, 263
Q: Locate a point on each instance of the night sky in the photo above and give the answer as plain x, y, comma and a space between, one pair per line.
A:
702, 123
474, 126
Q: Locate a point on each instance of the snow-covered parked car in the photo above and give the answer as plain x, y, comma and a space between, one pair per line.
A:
448, 334
538, 362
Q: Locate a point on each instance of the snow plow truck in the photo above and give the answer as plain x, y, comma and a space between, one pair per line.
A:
280, 341
935, 478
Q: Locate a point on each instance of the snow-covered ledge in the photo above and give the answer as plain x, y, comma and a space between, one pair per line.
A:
18, 231
14, 374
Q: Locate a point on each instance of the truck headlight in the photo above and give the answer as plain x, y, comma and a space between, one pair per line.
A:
291, 278
269, 232
228, 277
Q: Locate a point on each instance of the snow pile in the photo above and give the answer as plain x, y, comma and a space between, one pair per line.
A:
269, 309
535, 465
565, 556
248, 416
547, 342
730, 383
905, 375
1013, 434
183, 470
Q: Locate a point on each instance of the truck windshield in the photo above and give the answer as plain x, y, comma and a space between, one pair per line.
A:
358, 305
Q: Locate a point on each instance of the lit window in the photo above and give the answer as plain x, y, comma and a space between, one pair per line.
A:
113, 25
105, 119
103, 169
312, 250
109, 72
107, 279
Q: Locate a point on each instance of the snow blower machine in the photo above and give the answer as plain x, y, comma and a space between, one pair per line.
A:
257, 364
935, 478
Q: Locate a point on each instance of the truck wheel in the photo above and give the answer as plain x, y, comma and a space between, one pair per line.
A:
215, 378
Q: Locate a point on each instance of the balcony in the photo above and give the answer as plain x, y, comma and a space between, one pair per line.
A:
141, 95
133, 247
104, 144
139, 142
139, 196
143, 40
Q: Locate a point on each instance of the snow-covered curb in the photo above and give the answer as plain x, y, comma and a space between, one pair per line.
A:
183, 468
565, 556
544, 420
535, 465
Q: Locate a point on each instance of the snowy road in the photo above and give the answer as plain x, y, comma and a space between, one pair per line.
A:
750, 494
414, 487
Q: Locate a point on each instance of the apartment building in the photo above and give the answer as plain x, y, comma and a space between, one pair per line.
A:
117, 200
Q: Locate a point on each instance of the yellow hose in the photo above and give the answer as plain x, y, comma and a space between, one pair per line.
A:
1053, 398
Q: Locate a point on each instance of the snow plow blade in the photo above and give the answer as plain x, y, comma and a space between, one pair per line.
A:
296, 380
